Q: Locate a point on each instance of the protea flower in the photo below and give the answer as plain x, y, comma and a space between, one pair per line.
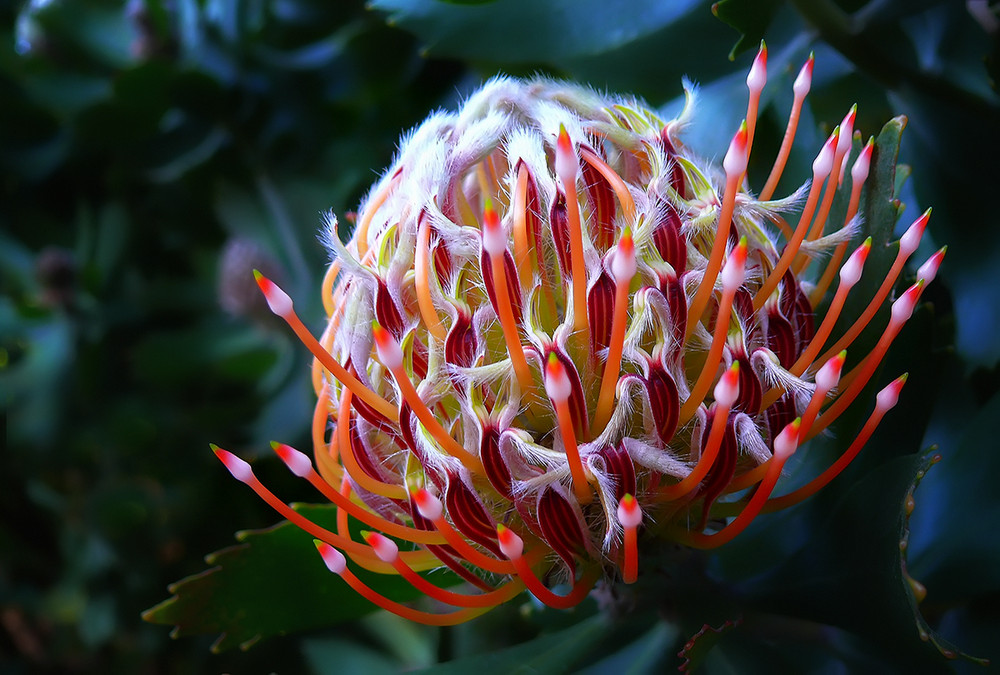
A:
554, 326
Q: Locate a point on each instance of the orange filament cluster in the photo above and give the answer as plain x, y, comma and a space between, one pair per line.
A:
550, 326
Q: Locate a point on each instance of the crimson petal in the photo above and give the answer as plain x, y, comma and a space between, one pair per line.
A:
560, 526
386, 312
664, 402
751, 391
461, 344
780, 338
780, 415
723, 468
469, 516
494, 464
602, 203
513, 285
601, 307
669, 242
618, 465
559, 222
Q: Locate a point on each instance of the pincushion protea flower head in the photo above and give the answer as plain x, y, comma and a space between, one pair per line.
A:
556, 329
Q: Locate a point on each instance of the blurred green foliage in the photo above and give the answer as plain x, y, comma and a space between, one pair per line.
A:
152, 152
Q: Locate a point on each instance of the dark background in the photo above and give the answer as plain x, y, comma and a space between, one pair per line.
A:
152, 152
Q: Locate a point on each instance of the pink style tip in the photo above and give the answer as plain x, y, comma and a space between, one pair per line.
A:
734, 271
511, 545
428, 505
728, 389
757, 77
629, 512
889, 396
850, 273
735, 162
385, 548
787, 441
829, 375
929, 269
566, 165
494, 238
902, 309
297, 462
557, 384
803, 82
623, 265
334, 559
859, 172
389, 352
823, 164
910, 240
240, 469
277, 300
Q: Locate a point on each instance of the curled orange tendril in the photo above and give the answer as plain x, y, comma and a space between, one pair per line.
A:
553, 325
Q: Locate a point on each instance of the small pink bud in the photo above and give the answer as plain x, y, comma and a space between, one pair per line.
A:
277, 299
385, 548
757, 77
296, 461
428, 505
241, 470
929, 269
728, 388
388, 349
787, 441
511, 545
850, 273
334, 559
629, 512
735, 162
911, 238
887, 398
804, 80
557, 384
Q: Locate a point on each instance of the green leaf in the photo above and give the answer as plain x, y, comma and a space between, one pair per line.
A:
173, 358
85, 30
951, 554
784, 533
750, 17
342, 655
36, 355
273, 583
879, 208
701, 643
645, 655
853, 572
526, 31
554, 653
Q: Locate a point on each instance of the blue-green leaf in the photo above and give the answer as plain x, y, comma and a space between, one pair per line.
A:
272, 583
526, 31
750, 17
